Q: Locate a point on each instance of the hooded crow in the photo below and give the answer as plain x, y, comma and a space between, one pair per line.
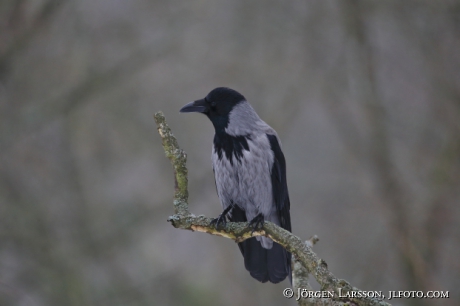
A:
250, 175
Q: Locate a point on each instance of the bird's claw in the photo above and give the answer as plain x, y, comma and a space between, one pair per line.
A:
219, 220
222, 217
257, 223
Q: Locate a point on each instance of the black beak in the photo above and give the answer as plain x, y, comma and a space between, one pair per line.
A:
198, 106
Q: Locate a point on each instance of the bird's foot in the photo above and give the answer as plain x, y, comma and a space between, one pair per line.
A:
222, 219
257, 223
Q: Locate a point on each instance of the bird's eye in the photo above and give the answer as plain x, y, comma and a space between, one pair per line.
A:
213, 104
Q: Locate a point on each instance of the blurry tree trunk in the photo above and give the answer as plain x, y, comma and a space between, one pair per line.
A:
416, 246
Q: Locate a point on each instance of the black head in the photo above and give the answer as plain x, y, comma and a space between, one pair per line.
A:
217, 105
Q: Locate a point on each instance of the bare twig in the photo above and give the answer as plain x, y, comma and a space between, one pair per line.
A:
304, 258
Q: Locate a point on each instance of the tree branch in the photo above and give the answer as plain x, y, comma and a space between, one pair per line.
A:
305, 260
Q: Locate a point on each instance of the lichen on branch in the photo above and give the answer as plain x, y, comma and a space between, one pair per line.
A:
178, 160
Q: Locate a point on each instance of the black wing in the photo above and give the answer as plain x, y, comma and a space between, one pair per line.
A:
279, 184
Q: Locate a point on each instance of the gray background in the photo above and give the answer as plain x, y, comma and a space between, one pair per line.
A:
365, 96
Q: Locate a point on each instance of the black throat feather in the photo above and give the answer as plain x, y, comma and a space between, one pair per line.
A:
230, 145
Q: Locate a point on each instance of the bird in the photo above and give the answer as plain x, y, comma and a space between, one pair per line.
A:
250, 175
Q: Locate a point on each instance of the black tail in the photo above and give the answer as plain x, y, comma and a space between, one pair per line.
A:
263, 264
266, 265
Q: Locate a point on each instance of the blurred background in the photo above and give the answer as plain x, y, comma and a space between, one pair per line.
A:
365, 96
